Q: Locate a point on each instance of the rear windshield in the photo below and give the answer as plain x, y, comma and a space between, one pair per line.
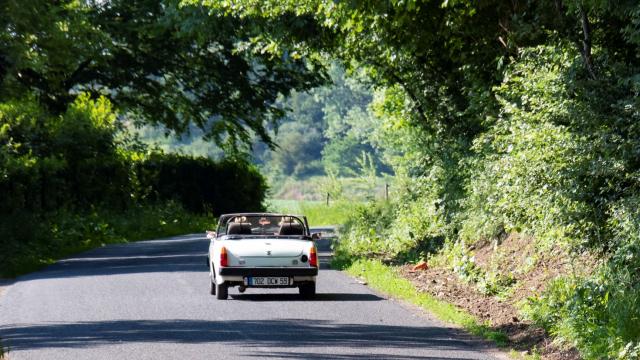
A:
263, 225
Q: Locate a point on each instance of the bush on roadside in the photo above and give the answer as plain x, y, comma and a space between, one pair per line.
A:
362, 235
200, 184
601, 313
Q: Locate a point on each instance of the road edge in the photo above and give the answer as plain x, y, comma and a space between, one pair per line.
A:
5, 284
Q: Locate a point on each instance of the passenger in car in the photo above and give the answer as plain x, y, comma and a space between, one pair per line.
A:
291, 229
239, 229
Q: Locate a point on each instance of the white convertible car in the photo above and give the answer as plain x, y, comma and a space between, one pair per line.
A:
262, 250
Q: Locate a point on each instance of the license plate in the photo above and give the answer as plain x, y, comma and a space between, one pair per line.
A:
267, 281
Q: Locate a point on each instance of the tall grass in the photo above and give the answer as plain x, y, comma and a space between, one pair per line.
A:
317, 212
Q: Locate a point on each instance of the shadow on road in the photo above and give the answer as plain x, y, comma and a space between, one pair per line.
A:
259, 338
179, 254
318, 297
316, 356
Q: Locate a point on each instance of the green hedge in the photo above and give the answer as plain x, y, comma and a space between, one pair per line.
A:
82, 160
73, 181
202, 185
68, 161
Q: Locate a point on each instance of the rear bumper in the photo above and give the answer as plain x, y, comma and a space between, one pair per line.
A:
268, 271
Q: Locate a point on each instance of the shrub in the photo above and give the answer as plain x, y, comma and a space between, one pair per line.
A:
363, 233
600, 314
201, 184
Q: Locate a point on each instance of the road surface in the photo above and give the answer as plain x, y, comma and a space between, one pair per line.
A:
150, 300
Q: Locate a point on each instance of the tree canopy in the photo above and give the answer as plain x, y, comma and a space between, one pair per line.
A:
448, 55
159, 61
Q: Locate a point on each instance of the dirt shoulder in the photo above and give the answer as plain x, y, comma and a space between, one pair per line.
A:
502, 316
501, 313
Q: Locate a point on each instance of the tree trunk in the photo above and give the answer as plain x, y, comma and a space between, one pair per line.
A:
586, 42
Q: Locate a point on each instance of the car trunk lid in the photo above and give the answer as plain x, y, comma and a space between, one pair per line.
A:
267, 252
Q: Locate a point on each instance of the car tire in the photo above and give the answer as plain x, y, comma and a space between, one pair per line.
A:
212, 291
212, 280
308, 290
222, 291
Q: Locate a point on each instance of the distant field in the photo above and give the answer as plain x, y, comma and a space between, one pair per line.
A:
317, 212
288, 206
315, 188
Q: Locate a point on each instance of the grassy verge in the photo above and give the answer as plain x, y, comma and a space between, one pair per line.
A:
383, 278
317, 212
31, 242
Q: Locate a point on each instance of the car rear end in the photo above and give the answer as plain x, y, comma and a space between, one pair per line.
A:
273, 263
263, 251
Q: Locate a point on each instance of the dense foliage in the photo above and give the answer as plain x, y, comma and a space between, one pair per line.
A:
80, 160
50, 162
502, 117
200, 184
75, 179
157, 60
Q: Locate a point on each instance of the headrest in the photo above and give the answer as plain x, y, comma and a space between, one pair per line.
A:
239, 229
291, 229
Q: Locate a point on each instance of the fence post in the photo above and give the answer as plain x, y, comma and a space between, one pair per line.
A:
386, 191
328, 196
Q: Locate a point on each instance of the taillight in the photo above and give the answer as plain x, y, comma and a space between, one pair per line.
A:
313, 257
224, 259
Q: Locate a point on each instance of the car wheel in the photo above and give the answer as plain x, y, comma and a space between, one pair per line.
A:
213, 288
212, 280
308, 290
222, 291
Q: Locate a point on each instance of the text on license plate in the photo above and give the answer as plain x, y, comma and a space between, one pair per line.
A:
267, 281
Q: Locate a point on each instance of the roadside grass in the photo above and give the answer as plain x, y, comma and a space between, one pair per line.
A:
317, 212
36, 244
385, 279
336, 213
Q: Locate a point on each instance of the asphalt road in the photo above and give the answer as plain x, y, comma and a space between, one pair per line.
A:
150, 300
